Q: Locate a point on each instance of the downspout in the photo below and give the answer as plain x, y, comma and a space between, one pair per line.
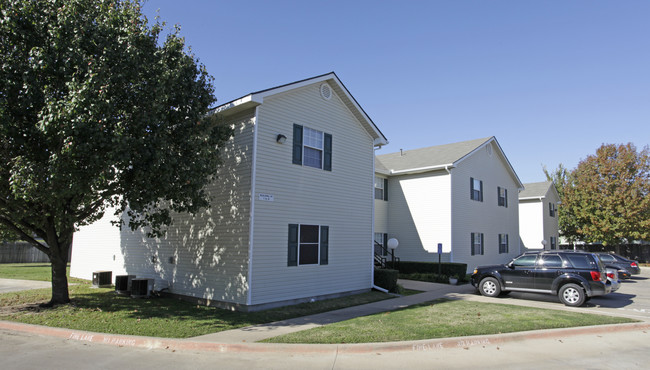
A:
372, 234
252, 209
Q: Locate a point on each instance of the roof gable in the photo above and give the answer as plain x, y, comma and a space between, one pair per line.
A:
438, 157
537, 190
257, 98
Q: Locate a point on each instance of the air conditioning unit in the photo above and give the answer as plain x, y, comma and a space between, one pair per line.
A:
141, 288
123, 284
102, 279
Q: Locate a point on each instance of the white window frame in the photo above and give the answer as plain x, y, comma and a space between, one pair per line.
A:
502, 201
300, 244
477, 195
504, 244
305, 131
379, 185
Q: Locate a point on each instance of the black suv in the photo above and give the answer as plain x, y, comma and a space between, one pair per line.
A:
573, 276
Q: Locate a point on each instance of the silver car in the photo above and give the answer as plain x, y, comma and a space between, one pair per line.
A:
612, 277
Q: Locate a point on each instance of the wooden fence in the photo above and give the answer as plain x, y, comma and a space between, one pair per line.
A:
20, 252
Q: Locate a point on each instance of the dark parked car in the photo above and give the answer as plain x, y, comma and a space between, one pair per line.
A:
573, 276
612, 259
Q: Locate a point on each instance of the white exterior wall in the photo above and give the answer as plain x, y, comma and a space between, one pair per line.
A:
420, 215
531, 224
341, 199
381, 213
209, 250
484, 217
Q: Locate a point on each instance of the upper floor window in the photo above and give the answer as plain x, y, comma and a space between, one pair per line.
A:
502, 196
381, 188
476, 189
312, 148
551, 209
553, 242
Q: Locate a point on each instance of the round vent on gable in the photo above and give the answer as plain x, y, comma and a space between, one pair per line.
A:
326, 91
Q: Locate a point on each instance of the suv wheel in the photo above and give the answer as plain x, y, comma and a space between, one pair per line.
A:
572, 295
489, 287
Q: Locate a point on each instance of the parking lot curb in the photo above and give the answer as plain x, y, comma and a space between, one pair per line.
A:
406, 346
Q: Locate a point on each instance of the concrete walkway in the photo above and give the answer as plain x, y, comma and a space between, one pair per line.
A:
13, 285
256, 333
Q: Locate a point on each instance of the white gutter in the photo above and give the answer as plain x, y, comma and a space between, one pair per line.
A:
423, 169
252, 209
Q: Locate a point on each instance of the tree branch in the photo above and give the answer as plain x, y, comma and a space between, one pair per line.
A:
41, 247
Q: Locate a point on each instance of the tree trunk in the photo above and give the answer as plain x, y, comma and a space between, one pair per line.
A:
59, 250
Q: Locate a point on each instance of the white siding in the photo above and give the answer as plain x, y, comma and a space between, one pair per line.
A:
420, 215
484, 217
209, 250
531, 223
341, 199
381, 213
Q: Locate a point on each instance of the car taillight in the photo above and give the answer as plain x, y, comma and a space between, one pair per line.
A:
610, 275
633, 264
595, 275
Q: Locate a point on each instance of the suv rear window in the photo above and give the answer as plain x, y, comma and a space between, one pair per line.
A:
582, 261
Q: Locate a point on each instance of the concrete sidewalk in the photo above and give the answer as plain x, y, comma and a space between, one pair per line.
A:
256, 333
14, 285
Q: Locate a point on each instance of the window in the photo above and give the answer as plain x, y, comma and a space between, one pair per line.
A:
550, 261
381, 188
502, 194
581, 261
607, 258
380, 244
308, 245
551, 209
312, 148
553, 242
476, 189
527, 260
477, 243
503, 243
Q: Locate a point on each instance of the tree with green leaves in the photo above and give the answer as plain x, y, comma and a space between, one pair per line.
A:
97, 112
609, 195
562, 178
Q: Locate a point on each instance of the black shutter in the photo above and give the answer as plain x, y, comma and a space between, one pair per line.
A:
505, 197
292, 254
499, 203
385, 243
297, 144
481, 190
327, 154
472, 244
385, 189
324, 244
471, 188
482, 239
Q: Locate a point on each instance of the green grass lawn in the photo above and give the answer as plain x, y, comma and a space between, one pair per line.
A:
444, 318
101, 310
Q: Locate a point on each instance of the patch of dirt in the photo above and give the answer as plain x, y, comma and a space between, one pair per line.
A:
32, 308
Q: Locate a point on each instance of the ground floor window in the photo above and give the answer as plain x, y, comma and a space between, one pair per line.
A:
380, 244
477, 243
503, 243
553, 242
308, 245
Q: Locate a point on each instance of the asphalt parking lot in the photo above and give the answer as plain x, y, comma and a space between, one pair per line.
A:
632, 299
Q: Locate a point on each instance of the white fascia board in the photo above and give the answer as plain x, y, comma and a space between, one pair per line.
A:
423, 169
533, 198
507, 161
244, 102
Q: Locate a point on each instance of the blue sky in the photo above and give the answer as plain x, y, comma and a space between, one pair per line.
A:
552, 80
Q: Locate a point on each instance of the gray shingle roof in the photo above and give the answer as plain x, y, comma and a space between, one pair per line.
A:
428, 157
535, 189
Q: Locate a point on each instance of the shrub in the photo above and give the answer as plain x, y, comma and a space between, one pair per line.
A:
446, 268
386, 279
